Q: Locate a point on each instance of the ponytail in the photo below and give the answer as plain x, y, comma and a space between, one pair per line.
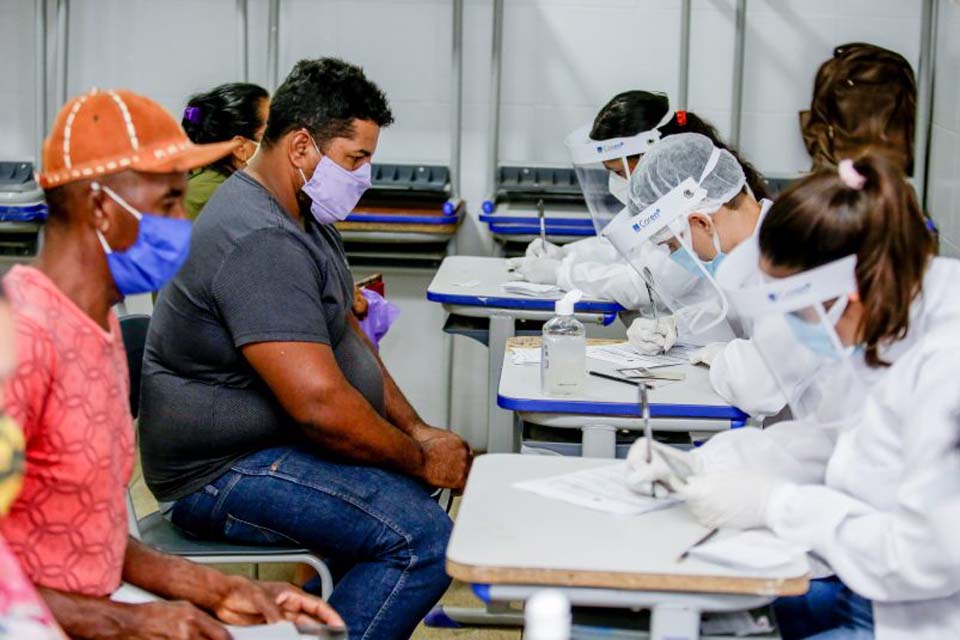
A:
225, 111
868, 209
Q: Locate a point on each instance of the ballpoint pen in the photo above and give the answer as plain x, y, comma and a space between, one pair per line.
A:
543, 225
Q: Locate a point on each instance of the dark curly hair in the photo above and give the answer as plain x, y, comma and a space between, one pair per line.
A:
324, 97
232, 109
631, 112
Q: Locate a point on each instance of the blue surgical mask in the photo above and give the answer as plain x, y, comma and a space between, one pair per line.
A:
815, 336
683, 258
159, 251
714, 264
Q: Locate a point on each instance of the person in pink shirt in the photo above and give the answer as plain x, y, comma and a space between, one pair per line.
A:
23, 613
114, 176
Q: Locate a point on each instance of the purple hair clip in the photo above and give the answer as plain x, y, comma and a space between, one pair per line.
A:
192, 114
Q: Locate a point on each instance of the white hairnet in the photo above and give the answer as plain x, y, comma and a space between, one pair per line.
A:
682, 156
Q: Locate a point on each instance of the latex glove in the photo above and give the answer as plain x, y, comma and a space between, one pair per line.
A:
642, 474
514, 264
540, 270
734, 499
706, 355
650, 337
539, 249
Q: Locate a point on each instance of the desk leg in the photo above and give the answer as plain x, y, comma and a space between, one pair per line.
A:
501, 434
674, 622
599, 441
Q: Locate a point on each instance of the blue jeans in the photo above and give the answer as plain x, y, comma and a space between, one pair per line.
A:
383, 530
828, 611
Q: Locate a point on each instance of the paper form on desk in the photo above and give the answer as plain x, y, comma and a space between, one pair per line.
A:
277, 631
525, 355
532, 289
754, 549
623, 355
601, 488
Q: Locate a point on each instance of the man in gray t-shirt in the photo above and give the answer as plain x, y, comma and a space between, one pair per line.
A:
266, 416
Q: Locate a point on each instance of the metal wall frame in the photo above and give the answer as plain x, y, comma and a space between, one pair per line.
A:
925, 91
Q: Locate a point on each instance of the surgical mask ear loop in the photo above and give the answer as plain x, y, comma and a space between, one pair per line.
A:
314, 143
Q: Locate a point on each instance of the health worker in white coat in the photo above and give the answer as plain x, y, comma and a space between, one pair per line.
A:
605, 155
867, 477
727, 215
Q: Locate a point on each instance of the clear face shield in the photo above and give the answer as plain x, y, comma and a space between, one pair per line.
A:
794, 320
656, 242
603, 169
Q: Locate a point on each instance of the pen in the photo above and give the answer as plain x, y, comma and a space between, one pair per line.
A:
645, 412
647, 279
696, 544
666, 375
543, 226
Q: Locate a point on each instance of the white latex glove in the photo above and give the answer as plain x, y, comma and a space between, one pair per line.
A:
734, 499
650, 337
641, 474
540, 270
514, 264
706, 355
539, 249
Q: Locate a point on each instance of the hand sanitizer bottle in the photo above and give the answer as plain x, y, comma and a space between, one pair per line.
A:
563, 359
547, 616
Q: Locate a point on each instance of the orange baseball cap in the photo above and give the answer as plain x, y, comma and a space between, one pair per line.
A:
105, 132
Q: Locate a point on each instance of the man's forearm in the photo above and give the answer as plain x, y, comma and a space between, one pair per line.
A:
346, 424
87, 617
399, 410
172, 578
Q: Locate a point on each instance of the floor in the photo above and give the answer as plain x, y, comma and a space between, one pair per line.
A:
459, 594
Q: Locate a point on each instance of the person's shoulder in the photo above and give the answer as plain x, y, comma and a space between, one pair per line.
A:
32, 300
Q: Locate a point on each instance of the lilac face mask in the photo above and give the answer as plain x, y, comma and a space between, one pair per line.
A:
333, 190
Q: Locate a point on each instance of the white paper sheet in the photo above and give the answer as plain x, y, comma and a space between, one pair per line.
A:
601, 488
623, 355
277, 631
756, 549
532, 289
525, 355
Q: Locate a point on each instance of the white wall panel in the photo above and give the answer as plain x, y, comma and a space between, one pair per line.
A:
18, 89
166, 50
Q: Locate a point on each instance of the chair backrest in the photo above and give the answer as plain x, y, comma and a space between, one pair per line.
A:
134, 329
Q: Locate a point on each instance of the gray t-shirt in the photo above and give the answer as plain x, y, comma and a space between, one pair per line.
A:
253, 275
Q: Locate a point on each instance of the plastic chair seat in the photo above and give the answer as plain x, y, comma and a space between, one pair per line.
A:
163, 536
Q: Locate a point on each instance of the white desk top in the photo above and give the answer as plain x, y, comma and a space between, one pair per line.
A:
693, 397
504, 535
475, 281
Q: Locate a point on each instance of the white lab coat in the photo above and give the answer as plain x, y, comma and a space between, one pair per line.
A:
798, 451
595, 267
738, 373
871, 496
891, 479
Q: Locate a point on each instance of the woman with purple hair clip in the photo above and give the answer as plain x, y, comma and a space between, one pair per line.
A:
234, 111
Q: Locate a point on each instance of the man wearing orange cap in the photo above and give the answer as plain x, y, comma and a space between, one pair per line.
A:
114, 174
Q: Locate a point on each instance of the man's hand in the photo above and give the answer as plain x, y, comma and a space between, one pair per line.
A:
301, 608
446, 458
177, 620
245, 602
360, 305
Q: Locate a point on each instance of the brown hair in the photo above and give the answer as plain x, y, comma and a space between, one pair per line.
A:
631, 112
821, 219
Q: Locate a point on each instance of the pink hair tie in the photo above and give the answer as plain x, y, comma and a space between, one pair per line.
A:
849, 175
